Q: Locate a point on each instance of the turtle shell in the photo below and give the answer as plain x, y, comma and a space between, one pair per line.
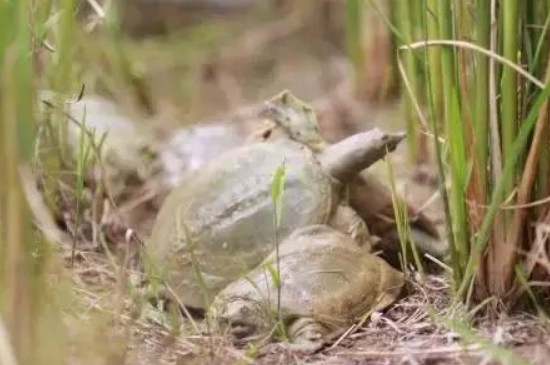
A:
219, 223
325, 277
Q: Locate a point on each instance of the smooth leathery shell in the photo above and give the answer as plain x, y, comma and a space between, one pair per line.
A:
324, 276
219, 222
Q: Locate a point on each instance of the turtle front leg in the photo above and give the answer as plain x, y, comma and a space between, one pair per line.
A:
347, 221
306, 334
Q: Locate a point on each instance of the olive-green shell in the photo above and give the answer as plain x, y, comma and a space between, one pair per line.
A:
324, 276
219, 223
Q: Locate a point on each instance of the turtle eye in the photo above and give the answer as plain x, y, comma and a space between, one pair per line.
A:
284, 98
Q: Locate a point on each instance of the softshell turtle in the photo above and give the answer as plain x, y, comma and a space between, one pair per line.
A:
326, 283
219, 223
371, 199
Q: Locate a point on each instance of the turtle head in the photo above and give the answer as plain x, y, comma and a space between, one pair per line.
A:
295, 118
242, 316
350, 156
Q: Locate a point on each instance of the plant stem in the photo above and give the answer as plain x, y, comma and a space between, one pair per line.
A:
456, 143
403, 21
478, 186
499, 269
509, 85
481, 112
434, 59
353, 36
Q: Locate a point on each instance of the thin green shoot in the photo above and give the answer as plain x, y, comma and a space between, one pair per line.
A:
509, 101
452, 115
401, 220
353, 35
96, 146
395, 31
275, 276
277, 192
540, 43
388, 22
480, 121
403, 19
82, 160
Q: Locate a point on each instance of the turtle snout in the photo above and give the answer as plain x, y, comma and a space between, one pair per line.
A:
392, 140
241, 329
239, 317
238, 327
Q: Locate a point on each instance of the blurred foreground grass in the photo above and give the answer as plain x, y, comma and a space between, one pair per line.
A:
28, 310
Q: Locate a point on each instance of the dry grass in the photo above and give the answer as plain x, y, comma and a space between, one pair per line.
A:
406, 334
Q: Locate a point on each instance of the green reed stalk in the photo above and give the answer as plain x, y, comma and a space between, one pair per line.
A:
455, 137
277, 195
433, 80
354, 28
58, 76
541, 15
478, 188
509, 84
500, 257
481, 105
63, 64
404, 20
434, 59
403, 229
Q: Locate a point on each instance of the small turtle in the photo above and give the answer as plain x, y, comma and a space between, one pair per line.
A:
219, 223
371, 199
326, 283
